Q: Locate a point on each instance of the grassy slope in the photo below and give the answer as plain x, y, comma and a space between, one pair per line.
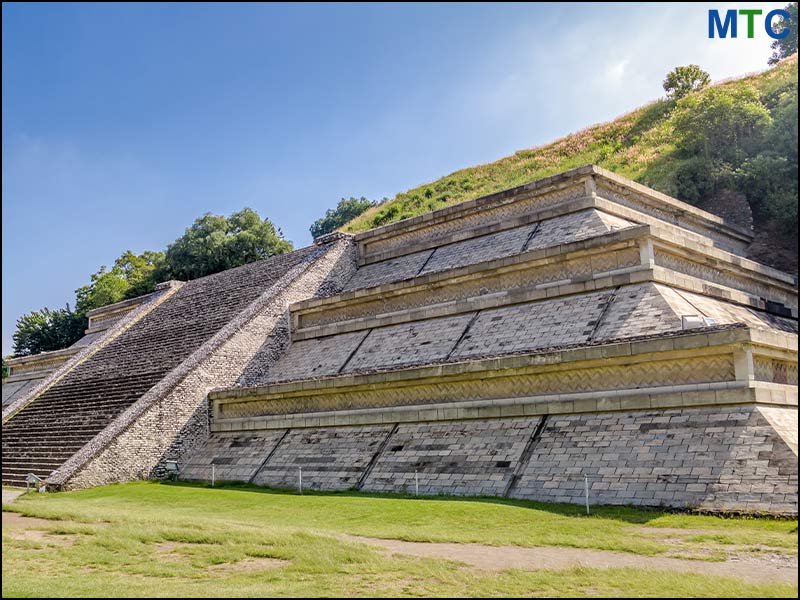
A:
120, 531
636, 145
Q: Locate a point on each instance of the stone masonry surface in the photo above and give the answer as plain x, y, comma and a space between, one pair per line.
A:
478, 249
722, 458
234, 456
464, 458
70, 414
784, 421
532, 326
634, 311
177, 407
718, 458
396, 269
315, 358
575, 227
16, 389
409, 343
568, 228
331, 458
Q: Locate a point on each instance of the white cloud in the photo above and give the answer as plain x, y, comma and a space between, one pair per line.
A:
615, 71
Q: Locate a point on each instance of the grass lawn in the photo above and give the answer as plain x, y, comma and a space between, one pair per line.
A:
150, 539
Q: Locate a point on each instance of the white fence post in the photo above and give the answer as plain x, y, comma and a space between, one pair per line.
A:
586, 489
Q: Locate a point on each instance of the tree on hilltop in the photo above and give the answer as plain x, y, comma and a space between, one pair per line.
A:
684, 80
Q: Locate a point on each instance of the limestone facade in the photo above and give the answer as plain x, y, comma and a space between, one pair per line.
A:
578, 329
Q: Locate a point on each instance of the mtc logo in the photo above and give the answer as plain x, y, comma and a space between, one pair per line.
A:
716, 24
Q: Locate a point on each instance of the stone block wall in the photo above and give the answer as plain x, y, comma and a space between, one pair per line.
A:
461, 458
333, 458
718, 458
564, 229
562, 321
234, 456
626, 312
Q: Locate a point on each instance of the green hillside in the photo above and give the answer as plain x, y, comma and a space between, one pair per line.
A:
736, 139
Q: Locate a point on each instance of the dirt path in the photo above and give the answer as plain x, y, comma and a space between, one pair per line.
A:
11, 495
33, 529
756, 569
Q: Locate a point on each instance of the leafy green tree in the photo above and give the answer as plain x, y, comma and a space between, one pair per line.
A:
5, 368
215, 243
721, 123
344, 212
681, 81
45, 330
132, 275
788, 45
769, 179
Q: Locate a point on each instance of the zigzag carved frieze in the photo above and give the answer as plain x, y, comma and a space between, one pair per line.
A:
506, 384
774, 370
714, 275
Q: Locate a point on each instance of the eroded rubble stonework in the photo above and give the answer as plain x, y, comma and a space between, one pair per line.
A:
581, 329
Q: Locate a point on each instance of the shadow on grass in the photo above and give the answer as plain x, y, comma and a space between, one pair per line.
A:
625, 514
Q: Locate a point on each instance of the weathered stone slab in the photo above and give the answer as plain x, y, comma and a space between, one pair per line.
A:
463, 458
721, 458
331, 458
234, 456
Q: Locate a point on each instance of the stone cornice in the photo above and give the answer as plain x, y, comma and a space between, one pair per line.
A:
661, 398
23, 363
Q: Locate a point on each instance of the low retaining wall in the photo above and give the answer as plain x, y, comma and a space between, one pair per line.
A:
741, 457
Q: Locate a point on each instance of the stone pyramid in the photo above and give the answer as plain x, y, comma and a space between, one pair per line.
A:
581, 329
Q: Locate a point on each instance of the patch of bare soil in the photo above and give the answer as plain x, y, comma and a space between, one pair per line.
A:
248, 565
755, 569
29, 529
673, 536
170, 551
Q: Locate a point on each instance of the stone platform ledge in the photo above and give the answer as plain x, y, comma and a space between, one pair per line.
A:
732, 357
753, 288
98, 317
551, 254
418, 300
685, 242
359, 318
25, 367
589, 175
545, 213
666, 231
661, 398
685, 340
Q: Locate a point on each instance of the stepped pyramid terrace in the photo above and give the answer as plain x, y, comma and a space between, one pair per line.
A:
577, 330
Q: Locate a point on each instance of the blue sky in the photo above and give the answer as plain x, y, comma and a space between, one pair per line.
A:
123, 123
